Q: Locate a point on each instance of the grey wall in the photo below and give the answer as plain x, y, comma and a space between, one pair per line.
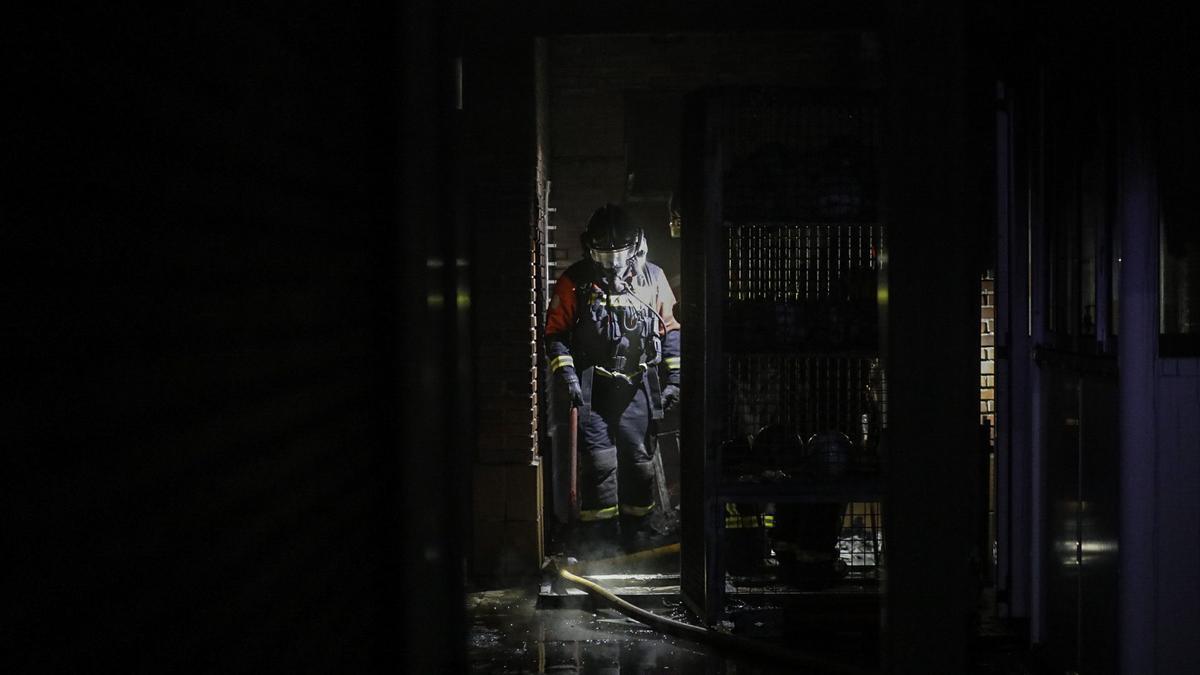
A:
1177, 510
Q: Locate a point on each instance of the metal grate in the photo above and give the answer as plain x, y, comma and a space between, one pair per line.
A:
788, 262
806, 393
860, 541
802, 391
802, 287
802, 159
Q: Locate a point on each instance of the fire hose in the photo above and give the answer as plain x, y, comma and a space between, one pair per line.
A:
721, 640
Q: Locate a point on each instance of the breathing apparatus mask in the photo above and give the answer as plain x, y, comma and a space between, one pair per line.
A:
615, 245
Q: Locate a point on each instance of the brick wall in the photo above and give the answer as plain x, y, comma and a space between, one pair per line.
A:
987, 352
499, 144
507, 519
987, 397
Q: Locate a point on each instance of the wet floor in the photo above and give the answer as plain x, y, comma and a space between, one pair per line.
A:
509, 635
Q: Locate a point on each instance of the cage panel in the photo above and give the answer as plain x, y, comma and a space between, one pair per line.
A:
801, 158
806, 393
801, 286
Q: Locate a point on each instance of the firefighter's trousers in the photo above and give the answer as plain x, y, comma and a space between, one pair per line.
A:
616, 467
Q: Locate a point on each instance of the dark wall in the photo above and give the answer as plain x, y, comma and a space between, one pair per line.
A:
1160, 383
1077, 403
1100, 444
498, 140
616, 108
933, 375
206, 466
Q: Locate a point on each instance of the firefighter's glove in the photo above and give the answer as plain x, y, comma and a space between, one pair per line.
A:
670, 396
574, 391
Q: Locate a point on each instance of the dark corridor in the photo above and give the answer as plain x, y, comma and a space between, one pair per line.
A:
276, 275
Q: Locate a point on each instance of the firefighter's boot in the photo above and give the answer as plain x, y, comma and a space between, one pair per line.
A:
595, 540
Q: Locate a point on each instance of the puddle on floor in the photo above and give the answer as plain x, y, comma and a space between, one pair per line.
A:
509, 635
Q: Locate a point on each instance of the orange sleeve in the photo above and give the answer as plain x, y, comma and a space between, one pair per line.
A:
561, 315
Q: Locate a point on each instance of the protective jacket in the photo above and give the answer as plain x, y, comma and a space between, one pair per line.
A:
631, 334
621, 340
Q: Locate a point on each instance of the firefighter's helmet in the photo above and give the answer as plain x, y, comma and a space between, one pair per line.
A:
614, 243
829, 454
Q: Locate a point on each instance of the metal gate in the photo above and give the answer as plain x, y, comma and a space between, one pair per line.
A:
782, 365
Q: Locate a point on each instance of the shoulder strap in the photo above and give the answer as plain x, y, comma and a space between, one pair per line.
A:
583, 289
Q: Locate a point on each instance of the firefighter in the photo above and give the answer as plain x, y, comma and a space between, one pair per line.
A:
612, 342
